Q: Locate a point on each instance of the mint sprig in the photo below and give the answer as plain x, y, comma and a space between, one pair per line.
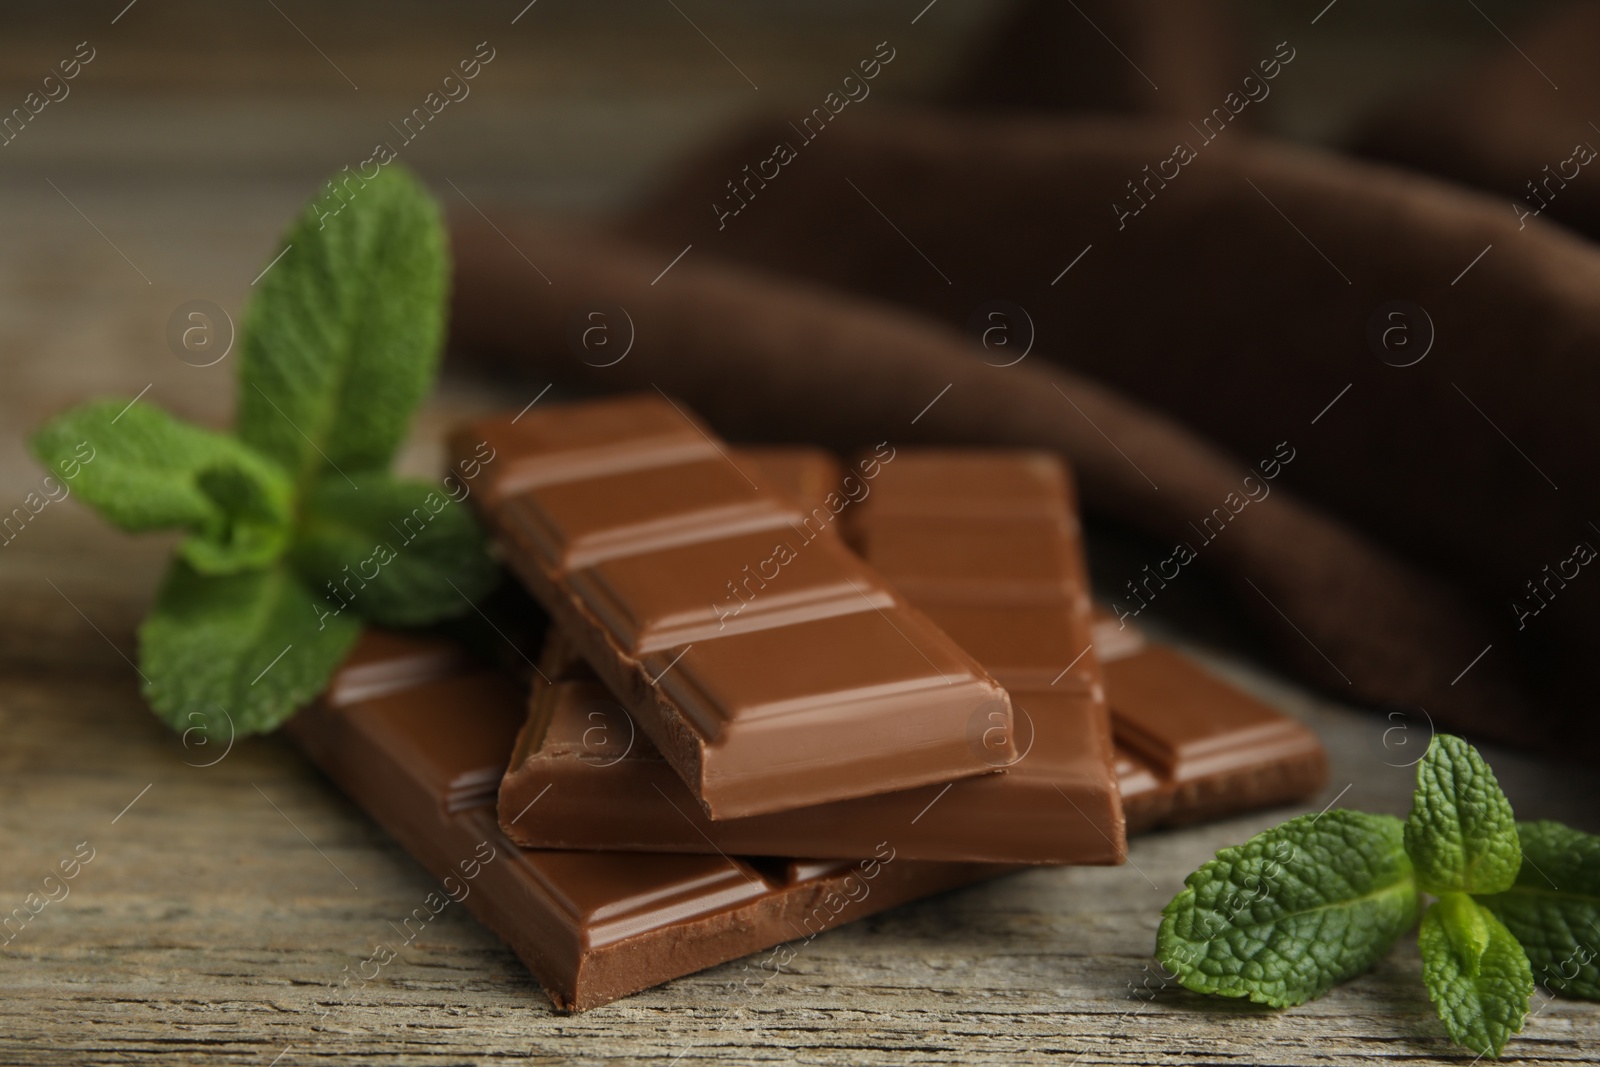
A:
296, 531
1319, 899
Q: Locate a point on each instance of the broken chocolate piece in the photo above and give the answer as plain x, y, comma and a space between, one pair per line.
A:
423, 757
809, 680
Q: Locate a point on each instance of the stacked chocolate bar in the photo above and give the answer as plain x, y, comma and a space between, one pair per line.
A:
778, 694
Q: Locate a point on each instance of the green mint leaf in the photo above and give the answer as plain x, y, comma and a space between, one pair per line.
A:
144, 470
1461, 835
1554, 907
399, 553
1477, 975
341, 343
239, 653
1283, 917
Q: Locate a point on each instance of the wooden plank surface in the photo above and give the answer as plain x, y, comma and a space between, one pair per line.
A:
220, 910
223, 902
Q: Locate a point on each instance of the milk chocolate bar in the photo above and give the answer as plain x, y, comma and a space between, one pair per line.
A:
419, 737
808, 476
967, 536
771, 667
996, 546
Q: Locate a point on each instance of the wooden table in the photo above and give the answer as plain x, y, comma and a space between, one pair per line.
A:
224, 901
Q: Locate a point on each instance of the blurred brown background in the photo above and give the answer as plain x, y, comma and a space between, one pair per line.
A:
198, 129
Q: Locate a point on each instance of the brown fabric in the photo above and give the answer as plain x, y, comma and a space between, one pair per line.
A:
1511, 119
771, 359
1164, 57
1238, 302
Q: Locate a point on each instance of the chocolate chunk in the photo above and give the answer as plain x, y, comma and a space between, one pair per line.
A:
609, 788
423, 754
808, 680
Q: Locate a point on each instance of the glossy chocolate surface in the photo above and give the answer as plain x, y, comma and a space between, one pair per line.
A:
1025, 646
811, 682
803, 474
987, 542
424, 757
1213, 746
1189, 744
676, 596
944, 482
519, 453
1291, 768
1186, 721
573, 523
944, 559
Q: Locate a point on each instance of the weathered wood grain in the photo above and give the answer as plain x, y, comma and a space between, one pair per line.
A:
207, 928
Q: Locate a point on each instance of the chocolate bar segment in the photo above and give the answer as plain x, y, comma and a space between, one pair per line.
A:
809, 680
987, 542
992, 483
676, 596
1210, 748
1190, 745
987, 559
810, 477
1026, 646
423, 755
570, 524
567, 443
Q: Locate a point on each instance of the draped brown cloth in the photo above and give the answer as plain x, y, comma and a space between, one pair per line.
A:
1520, 122
1167, 57
1237, 307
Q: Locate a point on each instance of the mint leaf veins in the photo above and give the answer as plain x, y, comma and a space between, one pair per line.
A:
1461, 834
147, 471
1553, 908
1292, 911
1477, 975
249, 648
342, 342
